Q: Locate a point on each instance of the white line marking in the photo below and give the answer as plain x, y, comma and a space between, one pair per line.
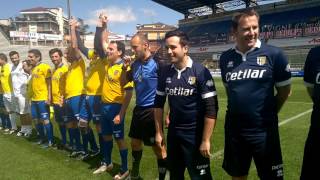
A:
221, 151
294, 117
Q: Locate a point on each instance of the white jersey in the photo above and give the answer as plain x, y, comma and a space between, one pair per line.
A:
19, 80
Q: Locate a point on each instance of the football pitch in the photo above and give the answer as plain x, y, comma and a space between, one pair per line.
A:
23, 159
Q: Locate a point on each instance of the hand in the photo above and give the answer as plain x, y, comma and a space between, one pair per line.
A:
126, 61
205, 149
167, 121
103, 19
159, 140
117, 119
73, 23
48, 101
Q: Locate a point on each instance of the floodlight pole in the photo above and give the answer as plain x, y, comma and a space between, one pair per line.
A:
69, 18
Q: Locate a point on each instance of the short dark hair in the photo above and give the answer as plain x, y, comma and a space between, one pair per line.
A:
142, 36
246, 13
184, 39
11, 53
36, 52
54, 50
120, 47
3, 57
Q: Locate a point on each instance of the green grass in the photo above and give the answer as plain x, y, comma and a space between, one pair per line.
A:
22, 159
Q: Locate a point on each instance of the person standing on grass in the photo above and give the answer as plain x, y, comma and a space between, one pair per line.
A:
58, 89
6, 84
19, 80
144, 72
41, 96
312, 147
74, 89
250, 72
90, 106
193, 108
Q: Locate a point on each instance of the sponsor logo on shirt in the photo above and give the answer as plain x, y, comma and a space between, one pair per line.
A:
287, 68
245, 74
192, 80
318, 78
168, 80
209, 83
262, 60
179, 91
230, 64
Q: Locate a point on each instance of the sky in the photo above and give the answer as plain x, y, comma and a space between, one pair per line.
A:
123, 15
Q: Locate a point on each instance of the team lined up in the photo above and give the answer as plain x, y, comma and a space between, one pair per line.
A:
256, 78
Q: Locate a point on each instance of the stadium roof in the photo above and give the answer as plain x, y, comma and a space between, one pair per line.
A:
183, 6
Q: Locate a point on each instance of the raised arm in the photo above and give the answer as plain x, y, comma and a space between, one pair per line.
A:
101, 36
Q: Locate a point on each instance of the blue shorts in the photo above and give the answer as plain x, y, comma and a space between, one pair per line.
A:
108, 112
1, 101
59, 113
72, 107
39, 110
183, 152
91, 108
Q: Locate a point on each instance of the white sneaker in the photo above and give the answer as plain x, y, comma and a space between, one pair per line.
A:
20, 133
7, 130
1, 128
12, 131
103, 168
121, 176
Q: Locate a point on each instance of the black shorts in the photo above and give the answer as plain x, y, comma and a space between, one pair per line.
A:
263, 147
183, 152
143, 125
311, 155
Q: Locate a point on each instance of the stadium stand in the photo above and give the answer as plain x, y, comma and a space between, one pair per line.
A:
292, 25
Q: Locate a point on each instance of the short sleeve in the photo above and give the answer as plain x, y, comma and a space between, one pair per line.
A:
282, 72
160, 98
309, 70
129, 84
47, 71
206, 84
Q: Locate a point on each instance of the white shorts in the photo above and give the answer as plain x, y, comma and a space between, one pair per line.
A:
22, 104
9, 104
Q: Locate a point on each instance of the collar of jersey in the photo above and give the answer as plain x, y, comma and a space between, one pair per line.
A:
257, 45
118, 61
189, 65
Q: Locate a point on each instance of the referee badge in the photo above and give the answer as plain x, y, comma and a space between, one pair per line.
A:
192, 80
262, 60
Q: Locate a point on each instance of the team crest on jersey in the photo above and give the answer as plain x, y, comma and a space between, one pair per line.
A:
192, 80
168, 80
209, 83
262, 60
230, 64
116, 72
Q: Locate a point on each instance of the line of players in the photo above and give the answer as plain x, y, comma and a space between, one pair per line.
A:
104, 94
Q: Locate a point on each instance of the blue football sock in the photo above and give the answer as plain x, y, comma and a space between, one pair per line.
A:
85, 141
77, 138
124, 160
40, 129
108, 151
71, 137
92, 141
102, 147
49, 131
63, 132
